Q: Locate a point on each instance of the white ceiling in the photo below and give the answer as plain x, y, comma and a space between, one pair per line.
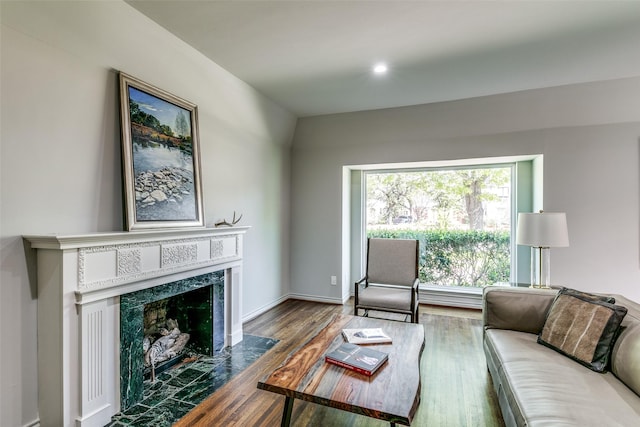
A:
315, 57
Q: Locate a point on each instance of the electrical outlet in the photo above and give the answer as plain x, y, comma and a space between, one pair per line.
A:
334, 280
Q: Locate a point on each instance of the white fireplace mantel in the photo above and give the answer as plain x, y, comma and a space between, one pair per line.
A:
80, 280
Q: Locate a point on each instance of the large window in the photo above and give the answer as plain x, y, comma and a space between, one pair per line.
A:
461, 216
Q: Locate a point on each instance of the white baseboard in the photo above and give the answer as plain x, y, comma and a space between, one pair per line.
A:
316, 298
345, 298
264, 308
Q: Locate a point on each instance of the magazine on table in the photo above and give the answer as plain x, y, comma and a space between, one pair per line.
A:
366, 336
359, 359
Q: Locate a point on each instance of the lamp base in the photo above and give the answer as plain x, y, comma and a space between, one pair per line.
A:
540, 287
540, 267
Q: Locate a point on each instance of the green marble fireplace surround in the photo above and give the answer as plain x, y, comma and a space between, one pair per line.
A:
199, 309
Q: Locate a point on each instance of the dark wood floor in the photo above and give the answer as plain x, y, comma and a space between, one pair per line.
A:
456, 388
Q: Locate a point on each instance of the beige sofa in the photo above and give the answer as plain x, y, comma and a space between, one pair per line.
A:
538, 386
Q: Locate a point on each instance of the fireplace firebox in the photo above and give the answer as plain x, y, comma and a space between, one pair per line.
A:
195, 304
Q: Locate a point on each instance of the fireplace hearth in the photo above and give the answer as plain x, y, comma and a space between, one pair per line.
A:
180, 389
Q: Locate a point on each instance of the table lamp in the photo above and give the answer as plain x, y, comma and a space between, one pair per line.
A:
542, 231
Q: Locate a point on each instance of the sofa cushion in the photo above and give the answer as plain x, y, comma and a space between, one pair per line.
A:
542, 388
518, 309
625, 356
583, 327
385, 297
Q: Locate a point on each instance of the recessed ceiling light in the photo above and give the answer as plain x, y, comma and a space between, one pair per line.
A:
380, 68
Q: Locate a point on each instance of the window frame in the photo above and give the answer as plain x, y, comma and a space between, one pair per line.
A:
527, 178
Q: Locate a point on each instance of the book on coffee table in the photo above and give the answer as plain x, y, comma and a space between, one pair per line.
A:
366, 336
359, 359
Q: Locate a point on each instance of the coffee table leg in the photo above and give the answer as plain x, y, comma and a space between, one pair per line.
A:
286, 414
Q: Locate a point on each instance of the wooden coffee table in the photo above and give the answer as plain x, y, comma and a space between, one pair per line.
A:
391, 394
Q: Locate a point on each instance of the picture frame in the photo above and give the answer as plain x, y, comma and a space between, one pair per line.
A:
160, 158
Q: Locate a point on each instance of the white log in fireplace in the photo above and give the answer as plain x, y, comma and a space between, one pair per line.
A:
80, 281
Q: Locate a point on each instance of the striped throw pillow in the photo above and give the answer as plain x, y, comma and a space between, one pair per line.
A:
583, 327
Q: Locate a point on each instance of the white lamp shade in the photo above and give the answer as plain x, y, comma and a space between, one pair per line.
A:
544, 229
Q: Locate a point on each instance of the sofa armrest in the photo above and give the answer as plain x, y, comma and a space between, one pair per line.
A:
518, 309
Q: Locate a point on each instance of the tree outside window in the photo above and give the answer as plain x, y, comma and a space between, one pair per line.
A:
462, 218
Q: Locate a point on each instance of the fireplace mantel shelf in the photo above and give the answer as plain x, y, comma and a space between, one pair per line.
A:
80, 279
73, 241
111, 264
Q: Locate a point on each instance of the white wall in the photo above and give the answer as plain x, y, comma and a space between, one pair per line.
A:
588, 134
60, 154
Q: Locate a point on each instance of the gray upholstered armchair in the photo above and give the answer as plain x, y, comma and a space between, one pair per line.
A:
391, 280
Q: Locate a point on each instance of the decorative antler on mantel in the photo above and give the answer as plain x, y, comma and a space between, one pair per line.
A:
233, 222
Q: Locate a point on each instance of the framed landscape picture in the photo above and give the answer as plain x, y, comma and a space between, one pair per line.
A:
160, 156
